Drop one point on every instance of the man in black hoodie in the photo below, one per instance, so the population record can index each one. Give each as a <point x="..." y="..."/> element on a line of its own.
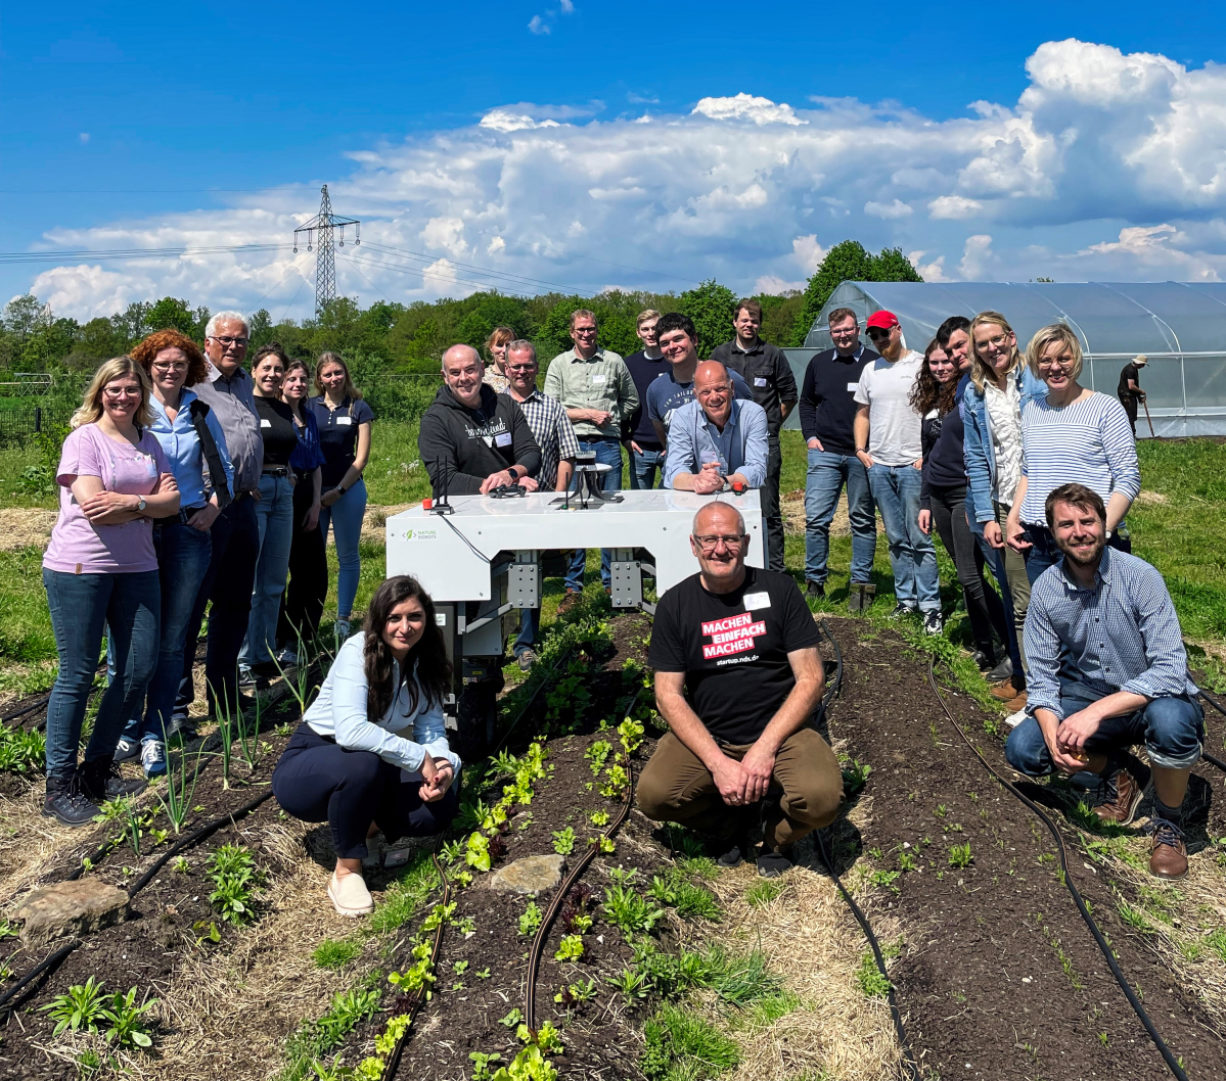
<point x="471" y="439"/>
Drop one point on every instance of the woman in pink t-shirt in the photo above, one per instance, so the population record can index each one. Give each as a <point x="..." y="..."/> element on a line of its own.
<point x="100" y="571"/>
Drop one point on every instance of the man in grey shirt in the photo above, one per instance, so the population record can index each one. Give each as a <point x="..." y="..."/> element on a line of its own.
<point x="236" y="541"/>
<point x="594" y="386"/>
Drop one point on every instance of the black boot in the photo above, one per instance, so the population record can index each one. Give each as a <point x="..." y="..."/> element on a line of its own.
<point x="65" y="802"/>
<point x="100" y="781"/>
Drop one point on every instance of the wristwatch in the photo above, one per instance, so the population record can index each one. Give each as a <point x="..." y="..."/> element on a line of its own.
<point x="141" y="505"/>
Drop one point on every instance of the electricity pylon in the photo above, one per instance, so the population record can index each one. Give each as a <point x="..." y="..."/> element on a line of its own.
<point x="319" y="232"/>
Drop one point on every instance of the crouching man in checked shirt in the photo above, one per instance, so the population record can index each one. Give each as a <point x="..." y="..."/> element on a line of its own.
<point x="737" y="678"/>
<point x="1108" y="670"/>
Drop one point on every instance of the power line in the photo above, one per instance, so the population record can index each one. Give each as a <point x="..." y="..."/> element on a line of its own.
<point x="107" y="254"/>
<point x="320" y="228"/>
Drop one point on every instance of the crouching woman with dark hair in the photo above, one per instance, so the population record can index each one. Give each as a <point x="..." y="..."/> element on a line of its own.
<point x="349" y="763"/>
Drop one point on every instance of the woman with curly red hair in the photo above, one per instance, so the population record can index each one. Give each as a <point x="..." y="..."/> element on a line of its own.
<point x="195" y="446"/>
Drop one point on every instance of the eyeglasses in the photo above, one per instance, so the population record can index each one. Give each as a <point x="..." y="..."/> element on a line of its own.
<point x="1055" y="362"/>
<point x="226" y="340"/>
<point x="520" y="367"/>
<point x="121" y="392"/>
<point x="585" y="331"/>
<point x="708" y="542"/>
<point x="995" y="344"/>
<point x="170" y="366"/>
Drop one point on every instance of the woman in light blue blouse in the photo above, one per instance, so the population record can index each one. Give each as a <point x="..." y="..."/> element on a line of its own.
<point x="193" y="442"/>
<point x="372" y="751"/>
<point x="1073" y="435"/>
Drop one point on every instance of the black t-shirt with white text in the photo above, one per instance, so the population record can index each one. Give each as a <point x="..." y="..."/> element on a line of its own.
<point x="733" y="649"/>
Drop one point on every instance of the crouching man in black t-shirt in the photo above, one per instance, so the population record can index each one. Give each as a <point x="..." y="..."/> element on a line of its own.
<point x="737" y="678"/>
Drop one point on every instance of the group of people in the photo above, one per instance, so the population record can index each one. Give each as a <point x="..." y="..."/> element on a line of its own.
<point x="188" y="483"/>
<point x="181" y="462"/>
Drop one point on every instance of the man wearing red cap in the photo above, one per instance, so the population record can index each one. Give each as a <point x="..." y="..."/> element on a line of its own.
<point x="887" y="432"/>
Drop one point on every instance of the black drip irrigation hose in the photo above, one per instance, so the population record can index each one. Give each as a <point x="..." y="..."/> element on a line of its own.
<point x="1167" y="1055"/>
<point x="184" y="843"/>
<point x="393" y="1060"/>
<point x="1205" y="754"/>
<point x="908" y="1057"/>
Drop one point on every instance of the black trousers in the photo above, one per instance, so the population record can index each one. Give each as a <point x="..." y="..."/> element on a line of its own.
<point x="772" y="518"/>
<point x="302" y="603"/>
<point x="318" y="781"/>
<point x="983" y="605"/>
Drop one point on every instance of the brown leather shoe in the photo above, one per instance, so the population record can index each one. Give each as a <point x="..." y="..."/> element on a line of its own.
<point x="1169" y="856"/>
<point x="1005" y="691"/>
<point x="573" y="597"/>
<point x="1017" y="703"/>
<point x="1117" y="798"/>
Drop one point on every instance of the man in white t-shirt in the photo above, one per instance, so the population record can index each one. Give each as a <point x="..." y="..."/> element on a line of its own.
<point x="887" y="434"/>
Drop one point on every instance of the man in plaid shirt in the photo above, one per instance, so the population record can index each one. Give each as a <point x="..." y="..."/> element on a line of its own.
<point x="559" y="445"/>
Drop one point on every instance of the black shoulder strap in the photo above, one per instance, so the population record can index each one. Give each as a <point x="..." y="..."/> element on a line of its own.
<point x="212" y="456"/>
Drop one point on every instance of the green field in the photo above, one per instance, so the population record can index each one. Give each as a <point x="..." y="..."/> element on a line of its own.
<point x="1175" y="525"/>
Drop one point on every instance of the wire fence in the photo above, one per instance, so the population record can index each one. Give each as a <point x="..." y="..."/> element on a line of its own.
<point x="27" y="405"/>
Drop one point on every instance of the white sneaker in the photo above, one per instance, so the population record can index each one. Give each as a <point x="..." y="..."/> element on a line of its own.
<point x="349" y="895"/>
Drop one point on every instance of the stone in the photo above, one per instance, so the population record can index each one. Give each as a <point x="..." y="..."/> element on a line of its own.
<point x="532" y="874"/>
<point x="70" y="908"/>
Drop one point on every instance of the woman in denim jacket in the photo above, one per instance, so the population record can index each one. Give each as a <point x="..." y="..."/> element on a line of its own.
<point x="1000" y="384"/>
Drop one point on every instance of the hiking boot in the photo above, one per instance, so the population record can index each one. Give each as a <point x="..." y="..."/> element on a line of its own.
<point x="526" y="659"/>
<point x="100" y="781"/>
<point x="933" y="624"/>
<point x="902" y="611"/>
<point x="572" y="598"/>
<point x="153" y="758"/>
<point x="1006" y="690"/>
<point x="1169" y="856"/>
<point x="815" y="590"/>
<point x="65" y="803"/>
<point x="1117" y="798"/>
<point x="1018" y="703"/>
<point x="733" y="851"/>
<point x="860" y="596"/>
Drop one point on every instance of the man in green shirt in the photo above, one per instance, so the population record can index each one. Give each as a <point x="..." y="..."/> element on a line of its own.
<point x="596" y="390"/>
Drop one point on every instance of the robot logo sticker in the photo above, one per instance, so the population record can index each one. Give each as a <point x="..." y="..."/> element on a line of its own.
<point x="734" y="634"/>
<point x="420" y="534"/>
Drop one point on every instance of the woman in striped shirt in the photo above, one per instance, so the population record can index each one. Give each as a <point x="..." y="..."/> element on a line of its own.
<point x="1072" y="435"/>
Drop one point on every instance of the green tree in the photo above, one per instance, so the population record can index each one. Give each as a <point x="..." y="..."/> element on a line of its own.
<point x="779" y="317"/>
<point x="259" y="330"/>
<point x="710" y="306"/>
<point x="848" y="261"/>
<point x="171" y="314"/>
<point x="892" y="266"/>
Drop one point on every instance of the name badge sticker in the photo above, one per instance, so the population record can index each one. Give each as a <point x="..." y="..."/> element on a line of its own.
<point x="852" y="387"/>
<point x="759" y="381"/>
<point x="344" y="420"/>
<point x="265" y="422"/>
<point x="598" y="379"/>
<point x="754" y="601"/>
<point x="502" y="439"/>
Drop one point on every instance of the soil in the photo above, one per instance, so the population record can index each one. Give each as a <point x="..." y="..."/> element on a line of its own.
<point x="998" y="977"/>
<point x="995" y="973"/>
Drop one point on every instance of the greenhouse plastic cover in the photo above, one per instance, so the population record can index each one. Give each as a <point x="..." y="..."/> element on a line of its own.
<point x="1179" y="326"/>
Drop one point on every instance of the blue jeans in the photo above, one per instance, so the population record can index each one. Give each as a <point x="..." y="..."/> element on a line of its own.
<point x="1172" y="730"/>
<point x="274" y="518"/>
<point x="643" y="469"/>
<point x="608" y="452"/>
<point x="828" y="473"/>
<point x="183" y="558"/>
<point x="896" y="489"/>
<point x="80" y="606"/>
<point x="346" y="517"/>
<point x="529" y="630"/>
<point x="227" y="583"/>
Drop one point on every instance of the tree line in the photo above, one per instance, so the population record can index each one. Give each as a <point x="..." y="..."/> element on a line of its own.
<point x="394" y="337"/>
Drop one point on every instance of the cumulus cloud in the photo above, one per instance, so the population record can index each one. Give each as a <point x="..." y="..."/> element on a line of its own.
<point x="1108" y="165"/>
<point x="543" y="24"/>
<point x="538" y="25"/>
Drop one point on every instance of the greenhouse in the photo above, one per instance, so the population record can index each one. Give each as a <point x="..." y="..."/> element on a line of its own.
<point x="1179" y="326"/>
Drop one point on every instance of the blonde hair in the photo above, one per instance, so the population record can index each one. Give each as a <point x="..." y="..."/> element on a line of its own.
<point x="980" y="369"/>
<point x="1054" y="332"/>
<point x="91" y="405"/>
<point x="349" y="390"/>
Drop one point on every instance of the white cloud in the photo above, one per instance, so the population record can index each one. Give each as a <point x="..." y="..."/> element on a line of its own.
<point x="747" y="107"/>
<point x="772" y="283"/>
<point x="932" y="271"/>
<point x="83" y="138"/>
<point x="976" y="255"/>
<point x="1108" y="165"/>
<point x="538" y="25"/>
<point x="894" y="209"/>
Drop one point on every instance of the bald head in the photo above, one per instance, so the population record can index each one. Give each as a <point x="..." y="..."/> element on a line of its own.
<point x="713" y="391"/>
<point x="462" y="372"/>
<point x="717" y="514"/>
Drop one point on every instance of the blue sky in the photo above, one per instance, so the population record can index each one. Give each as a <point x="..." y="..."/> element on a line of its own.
<point x="584" y="145"/>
